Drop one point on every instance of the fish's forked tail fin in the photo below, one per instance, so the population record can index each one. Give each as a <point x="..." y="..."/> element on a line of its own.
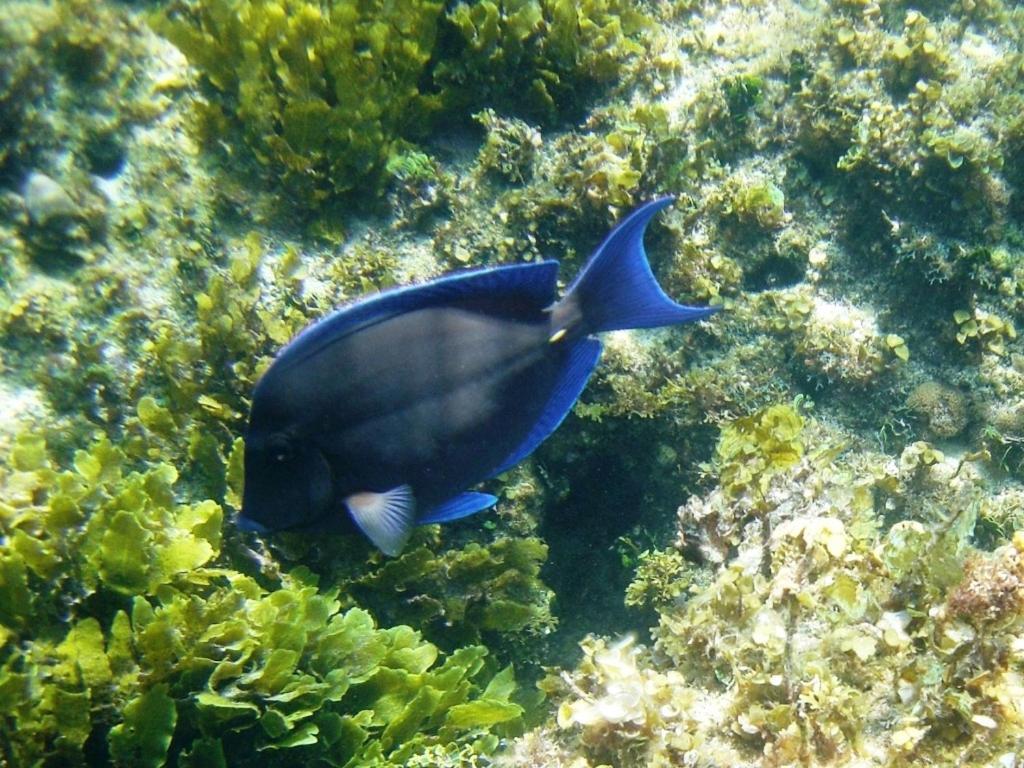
<point x="616" y="289"/>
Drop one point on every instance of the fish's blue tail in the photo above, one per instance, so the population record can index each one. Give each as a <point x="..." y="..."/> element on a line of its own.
<point x="616" y="289"/>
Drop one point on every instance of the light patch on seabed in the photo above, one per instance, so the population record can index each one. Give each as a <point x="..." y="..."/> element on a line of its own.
<point x="418" y="262"/>
<point x="736" y="39"/>
<point x="17" y="406"/>
<point x="982" y="51"/>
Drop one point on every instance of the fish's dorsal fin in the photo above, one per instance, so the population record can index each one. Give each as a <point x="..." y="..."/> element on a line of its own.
<point x="386" y="518"/>
<point x="463" y="505"/>
<point x="534" y="284"/>
<point x="582" y="359"/>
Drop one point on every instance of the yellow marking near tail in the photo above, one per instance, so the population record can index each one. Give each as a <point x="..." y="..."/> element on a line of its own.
<point x="557" y="336"/>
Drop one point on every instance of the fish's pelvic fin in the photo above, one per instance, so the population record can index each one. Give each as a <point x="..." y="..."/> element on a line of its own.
<point x="386" y="518"/>
<point x="581" y="363"/>
<point x="463" y="505"/>
<point x="616" y="288"/>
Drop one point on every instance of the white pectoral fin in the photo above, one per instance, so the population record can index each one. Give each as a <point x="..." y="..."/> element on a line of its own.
<point x="386" y="518"/>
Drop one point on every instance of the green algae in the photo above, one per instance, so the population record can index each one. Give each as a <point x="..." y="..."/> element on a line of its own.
<point x="540" y="59"/>
<point x="753" y="449"/>
<point x="329" y="96"/>
<point x="473" y="591"/>
<point x="322" y="93"/>
<point x="288" y="667"/>
<point x="811" y="660"/>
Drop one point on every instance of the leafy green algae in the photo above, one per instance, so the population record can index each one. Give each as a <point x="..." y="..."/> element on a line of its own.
<point x="178" y="648"/>
<point x="464" y="594"/>
<point x="752" y="449"/>
<point x="540" y="59"/>
<point x="324" y="91"/>
<point x="144" y="736"/>
<point x="330" y="95"/>
<point x="795" y="173"/>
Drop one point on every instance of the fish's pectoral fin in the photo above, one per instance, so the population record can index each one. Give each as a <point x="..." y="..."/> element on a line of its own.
<point x="463" y="505"/>
<point x="386" y="518"/>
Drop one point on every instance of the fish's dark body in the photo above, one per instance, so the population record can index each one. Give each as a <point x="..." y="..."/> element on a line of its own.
<point x="383" y="414"/>
<point x="433" y="398"/>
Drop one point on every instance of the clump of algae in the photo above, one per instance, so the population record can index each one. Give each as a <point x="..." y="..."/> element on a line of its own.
<point x="322" y="91"/>
<point x="823" y="634"/>
<point x="891" y="167"/>
<point x="330" y="95"/>
<point x="121" y="622"/>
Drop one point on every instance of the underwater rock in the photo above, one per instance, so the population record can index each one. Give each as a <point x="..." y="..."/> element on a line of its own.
<point x="841" y="344"/>
<point x="61" y="226"/>
<point x="47" y="201"/>
<point x="511" y="148"/>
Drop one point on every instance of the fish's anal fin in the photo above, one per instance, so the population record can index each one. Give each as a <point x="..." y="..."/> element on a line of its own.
<point x="458" y="507"/>
<point x="386" y="518"/>
<point x="582" y="360"/>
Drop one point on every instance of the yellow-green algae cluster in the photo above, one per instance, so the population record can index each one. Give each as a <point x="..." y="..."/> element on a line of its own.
<point x="824" y="635"/>
<point x="331" y="95"/>
<point x="115" y="598"/>
<point x="121" y="609"/>
<point x="133" y="631"/>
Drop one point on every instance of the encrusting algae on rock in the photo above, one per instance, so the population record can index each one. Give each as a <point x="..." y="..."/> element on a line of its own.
<point x="840" y="583"/>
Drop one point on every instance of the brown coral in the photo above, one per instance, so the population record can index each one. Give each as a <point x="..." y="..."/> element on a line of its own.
<point x="992" y="587"/>
<point x="940" y="407"/>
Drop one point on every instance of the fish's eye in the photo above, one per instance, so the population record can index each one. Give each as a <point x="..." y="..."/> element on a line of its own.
<point x="280" y="451"/>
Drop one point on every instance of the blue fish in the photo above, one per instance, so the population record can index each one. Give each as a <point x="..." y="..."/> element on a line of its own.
<point x="380" y="416"/>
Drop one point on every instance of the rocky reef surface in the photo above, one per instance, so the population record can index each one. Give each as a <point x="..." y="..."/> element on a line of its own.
<point x="792" y="535"/>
